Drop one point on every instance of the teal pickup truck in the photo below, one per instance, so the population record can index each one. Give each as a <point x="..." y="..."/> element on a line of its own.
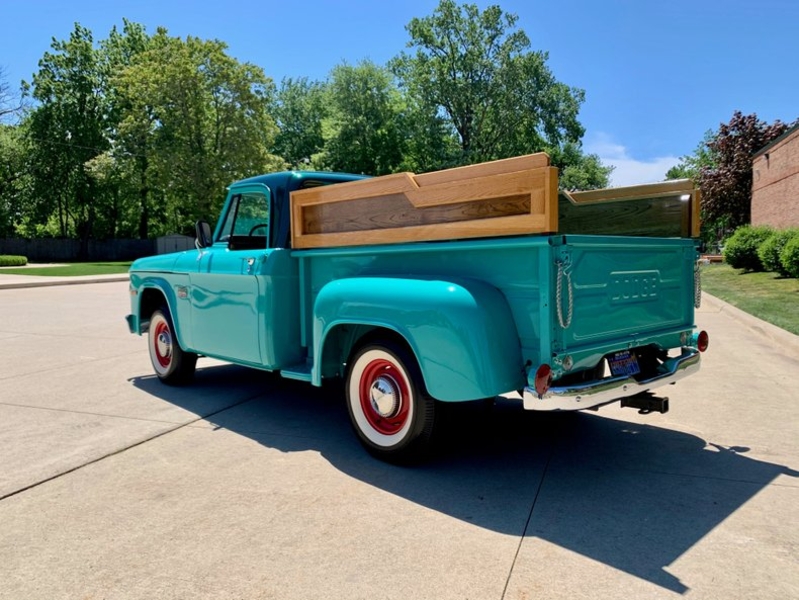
<point x="569" y="321"/>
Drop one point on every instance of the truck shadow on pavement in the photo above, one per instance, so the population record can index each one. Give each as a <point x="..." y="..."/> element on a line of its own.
<point x="634" y="497"/>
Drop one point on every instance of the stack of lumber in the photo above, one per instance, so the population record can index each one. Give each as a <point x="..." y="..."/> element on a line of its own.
<point x="514" y="196"/>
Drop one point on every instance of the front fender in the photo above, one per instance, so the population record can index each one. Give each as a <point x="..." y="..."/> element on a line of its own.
<point x="146" y="284"/>
<point x="461" y="332"/>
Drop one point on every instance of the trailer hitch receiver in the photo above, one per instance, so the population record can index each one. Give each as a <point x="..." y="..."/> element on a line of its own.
<point x="646" y="402"/>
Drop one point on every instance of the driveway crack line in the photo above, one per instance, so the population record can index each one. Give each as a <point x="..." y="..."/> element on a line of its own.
<point x="83" y="361"/>
<point x="96" y="414"/>
<point x="529" y="518"/>
<point x="125" y="449"/>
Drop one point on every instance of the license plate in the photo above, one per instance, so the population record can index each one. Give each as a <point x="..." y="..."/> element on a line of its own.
<point x="623" y="363"/>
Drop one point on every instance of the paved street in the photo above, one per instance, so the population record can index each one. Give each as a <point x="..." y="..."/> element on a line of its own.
<point x="245" y="485"/>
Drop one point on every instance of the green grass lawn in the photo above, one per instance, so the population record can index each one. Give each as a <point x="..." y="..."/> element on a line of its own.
<point x="71" y="270"/>
<point x="764" y="295"/>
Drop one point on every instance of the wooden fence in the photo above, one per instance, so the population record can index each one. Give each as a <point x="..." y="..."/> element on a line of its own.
<point x="67" y="250"/>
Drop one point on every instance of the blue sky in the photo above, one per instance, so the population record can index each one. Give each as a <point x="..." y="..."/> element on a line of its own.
<point x="657" y="74"/>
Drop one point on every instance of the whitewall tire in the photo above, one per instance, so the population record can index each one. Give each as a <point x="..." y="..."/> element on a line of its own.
<point x="388" y="405"/>
<point x="171" y="364"/>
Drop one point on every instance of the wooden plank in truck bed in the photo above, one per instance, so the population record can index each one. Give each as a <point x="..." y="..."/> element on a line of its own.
<point x="665" y="209"/>
<point x="506" y="197"/>
<point x="515" y="196"/>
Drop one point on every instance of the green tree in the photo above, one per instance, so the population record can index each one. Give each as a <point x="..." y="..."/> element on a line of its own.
<point x="431" y="143"/>
<point x="721" y="167"/>
<point x="579" y="171"/>
<point x="111" y="179"/>
<point x="727" y="184"/>
<point x="690" y="165"/>
<point x="124" y="172"/>
<point x="299" y="110"/>
<point x="498" y="96"/>
<point x="204" y="117"/>
<point x="14" y="179"/>
<point x="362" y="131"/>
<point x="66" y="130"/>
<point x="73" y="134"/>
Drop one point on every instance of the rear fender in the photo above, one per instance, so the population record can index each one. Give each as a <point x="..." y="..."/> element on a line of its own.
<point x="461" y="332"/>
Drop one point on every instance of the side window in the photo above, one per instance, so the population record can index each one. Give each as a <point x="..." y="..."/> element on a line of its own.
<point x="248" y="216"/>
<point x="224" y="233"/>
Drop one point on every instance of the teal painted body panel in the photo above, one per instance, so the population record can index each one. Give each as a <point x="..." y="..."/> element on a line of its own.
<point x="166" y="286"/>
<point x="524" y="272"/>
<point x="225" y="305"/>
<point x="280" y="324"/>
<point x="226" y="312"/>
<point x="636" y="290"/>
<point x="449" y="325"/>
<point x="623" y="287"/>
<point x="509" y="265"/>
<point x="479" y="315"/>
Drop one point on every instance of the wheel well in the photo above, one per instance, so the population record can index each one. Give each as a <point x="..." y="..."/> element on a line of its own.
<point x="343" y="341"/>
<point x="379" y="334"/>
<point x="151" y="300"/>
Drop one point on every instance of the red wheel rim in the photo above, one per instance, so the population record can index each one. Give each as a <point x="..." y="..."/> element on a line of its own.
<point x="162" y="344"/>
<point x="379" y="376"/>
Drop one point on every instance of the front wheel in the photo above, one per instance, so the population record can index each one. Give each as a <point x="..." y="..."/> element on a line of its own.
<point x="172" y="365"/>
<point x="388" y="405"/>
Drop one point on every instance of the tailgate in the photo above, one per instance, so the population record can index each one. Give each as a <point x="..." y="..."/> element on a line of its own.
<point x="615" y="289"/>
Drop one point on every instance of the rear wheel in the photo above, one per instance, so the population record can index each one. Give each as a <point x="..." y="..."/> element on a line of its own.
<point x="388" y="405"/>
<point x="172" y="365"/>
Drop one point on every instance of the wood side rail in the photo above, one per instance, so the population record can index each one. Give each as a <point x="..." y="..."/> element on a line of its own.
<point x="515" y="196"/>
<point x="506" y="197"/>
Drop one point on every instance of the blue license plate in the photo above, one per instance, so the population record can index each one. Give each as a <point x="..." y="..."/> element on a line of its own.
<point x="623" y="363"/>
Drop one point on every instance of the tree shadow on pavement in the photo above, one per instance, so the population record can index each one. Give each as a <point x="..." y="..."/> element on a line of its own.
<point x="634" y="497"/>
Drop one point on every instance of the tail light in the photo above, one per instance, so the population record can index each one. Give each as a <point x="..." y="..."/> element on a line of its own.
<point x="701" y="341"/>
<point x="543" y="379"/>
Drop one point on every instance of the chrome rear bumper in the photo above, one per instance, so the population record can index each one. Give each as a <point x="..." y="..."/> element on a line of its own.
<point x="607" y="390"/>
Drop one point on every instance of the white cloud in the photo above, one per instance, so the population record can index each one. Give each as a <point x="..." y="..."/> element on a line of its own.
<point x="628" y="170"/>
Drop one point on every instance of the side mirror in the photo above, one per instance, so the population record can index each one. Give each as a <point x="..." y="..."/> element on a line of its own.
<point x="203" y="239"/>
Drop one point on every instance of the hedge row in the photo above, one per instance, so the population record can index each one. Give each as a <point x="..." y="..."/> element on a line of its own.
<point x="9" y="260"/>
<point x="763" y="248"/>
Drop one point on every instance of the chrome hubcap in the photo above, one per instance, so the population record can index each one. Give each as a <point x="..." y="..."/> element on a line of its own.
<point x="385" y="397"/>
<point x="164" y="344"/>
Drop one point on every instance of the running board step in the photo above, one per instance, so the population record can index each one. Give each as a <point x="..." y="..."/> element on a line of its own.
<point x="300" y="372"/>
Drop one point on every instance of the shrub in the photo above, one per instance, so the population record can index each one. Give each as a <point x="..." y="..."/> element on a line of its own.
<point x="789" y="257"/>
<point x="9" y="260"/>
<point x="740" y="250"/>
<point x="769" y="251"/>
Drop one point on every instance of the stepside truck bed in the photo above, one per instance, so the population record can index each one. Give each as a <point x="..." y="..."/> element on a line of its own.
<point x="570" y="301"/>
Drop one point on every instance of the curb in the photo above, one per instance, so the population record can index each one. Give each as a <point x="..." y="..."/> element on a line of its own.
<point x="775" y="334"/>
<point x="42" y="281"/>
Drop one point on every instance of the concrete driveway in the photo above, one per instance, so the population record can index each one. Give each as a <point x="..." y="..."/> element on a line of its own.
<point x="246" y="485"/>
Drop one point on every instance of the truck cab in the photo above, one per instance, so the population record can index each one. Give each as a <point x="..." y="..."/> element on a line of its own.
<point x="234" y="297"/>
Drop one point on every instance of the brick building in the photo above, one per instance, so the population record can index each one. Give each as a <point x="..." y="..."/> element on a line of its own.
<point x="775" y="182"/>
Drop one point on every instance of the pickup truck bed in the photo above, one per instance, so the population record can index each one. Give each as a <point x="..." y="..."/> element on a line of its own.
<point x="565" y="300"/>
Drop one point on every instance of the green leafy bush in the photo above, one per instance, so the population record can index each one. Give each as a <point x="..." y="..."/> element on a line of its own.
<point x="769" y="251"/>
<point x="9" y="260"/>
<point x="789" y="257"/>
<point x="740" y="250"/>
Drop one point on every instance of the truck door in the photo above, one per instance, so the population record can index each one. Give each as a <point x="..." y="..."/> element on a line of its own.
<point x="227" y="304"/>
